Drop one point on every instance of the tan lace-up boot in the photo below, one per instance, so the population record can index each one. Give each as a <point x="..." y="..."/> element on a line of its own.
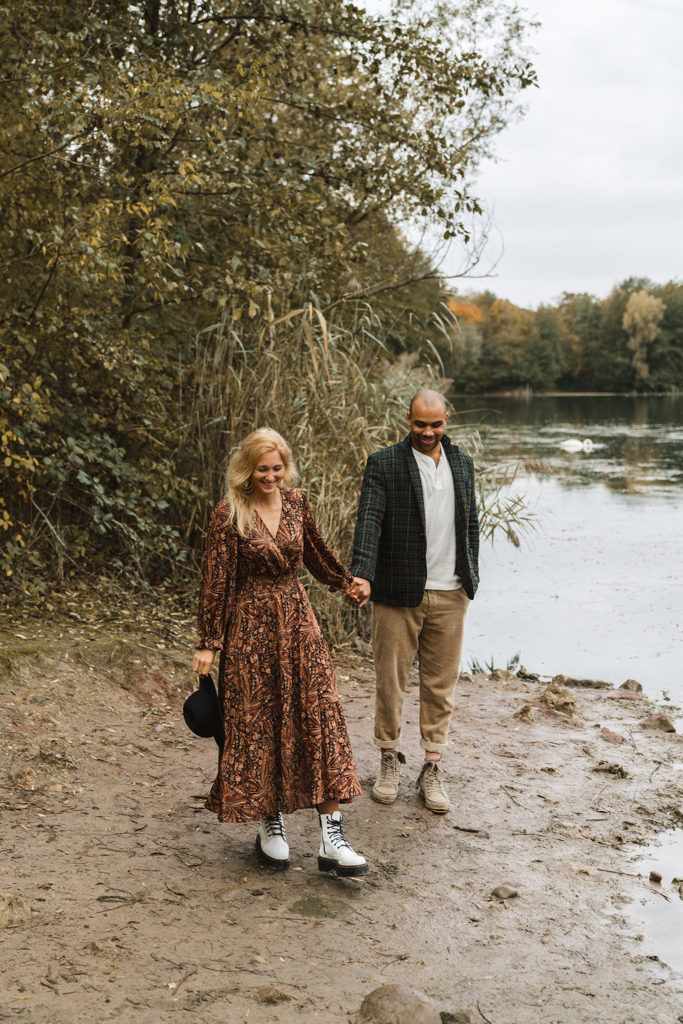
<point x="385" y="789"/>
<point x="430" y="784"/>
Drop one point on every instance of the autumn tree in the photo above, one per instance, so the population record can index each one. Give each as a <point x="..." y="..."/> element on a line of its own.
<point x="641" y="322"/>
<point x="166" y="166"/>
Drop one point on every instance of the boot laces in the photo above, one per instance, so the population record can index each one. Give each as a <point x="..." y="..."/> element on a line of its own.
<point x="432" y="782"/>
<point x="390" y="769"/>
<point x="335" y="835"/>
<point x="274" y="825"/>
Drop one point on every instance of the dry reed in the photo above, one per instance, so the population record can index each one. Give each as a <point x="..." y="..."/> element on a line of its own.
<point x="332" y="391"/>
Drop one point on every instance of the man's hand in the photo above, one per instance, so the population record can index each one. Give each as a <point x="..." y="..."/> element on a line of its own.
<point x="360" y="590"/>
<point x="202" y="662"/>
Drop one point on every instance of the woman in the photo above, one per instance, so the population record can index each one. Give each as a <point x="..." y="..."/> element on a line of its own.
<point x="286" y="744"/>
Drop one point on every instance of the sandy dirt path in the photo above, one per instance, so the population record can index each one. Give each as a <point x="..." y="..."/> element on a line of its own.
<point x="146" y="909"/>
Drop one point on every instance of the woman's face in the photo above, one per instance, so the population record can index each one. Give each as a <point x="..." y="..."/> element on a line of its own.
<point x="267" y="474"/>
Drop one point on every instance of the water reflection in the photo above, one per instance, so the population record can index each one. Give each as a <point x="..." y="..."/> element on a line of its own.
<point x="597" y="591"/>
<point x="638" y="441"/>
<point x="662" y="921"/>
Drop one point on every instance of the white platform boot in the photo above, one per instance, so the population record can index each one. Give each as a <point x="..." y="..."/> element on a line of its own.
<point x="271" y="842"/>
<point x="335" y="853"/>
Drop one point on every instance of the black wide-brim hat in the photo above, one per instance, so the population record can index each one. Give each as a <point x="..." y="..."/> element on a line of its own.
<point x="202" y="711"/>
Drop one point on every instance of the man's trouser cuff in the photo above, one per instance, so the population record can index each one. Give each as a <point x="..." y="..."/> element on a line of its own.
<point x="436" y="747"/>
<point x="387" y="744"/>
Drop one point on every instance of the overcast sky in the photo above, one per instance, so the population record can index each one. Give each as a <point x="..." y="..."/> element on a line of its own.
<point x="589" y="187"/>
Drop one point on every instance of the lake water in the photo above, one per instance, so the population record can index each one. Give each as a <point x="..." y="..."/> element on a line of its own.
<point x="596" y="591"/>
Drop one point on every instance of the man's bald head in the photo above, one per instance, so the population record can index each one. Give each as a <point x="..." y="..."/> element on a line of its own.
<point x="428" y="399"/>
<point x="427" y="418"/>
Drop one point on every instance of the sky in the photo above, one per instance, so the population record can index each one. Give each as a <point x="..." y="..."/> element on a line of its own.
<point x="588" y="187"/>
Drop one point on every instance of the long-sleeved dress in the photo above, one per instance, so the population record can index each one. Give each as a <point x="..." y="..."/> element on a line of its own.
<point x="286" y="743"/>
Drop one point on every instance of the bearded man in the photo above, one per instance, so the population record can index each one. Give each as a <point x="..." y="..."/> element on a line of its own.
<point x="416" y="549"/>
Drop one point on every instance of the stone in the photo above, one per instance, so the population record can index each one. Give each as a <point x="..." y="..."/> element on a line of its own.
<point x="633" y="685"/>
<point x="660" y="722"/>
<point x="272" y="995"/>
<point x="504" y="892"/>
<point x="26" y="778"/>
<point x="399" y="1004"/>
<point x="525" y="713"/>
<point x="558" y="699"/>
<point x="612" y="769"/>
<point x="455" y="1018"/>
<point x="625" y="695"/>
<point x="531" y="677"/>
<point x="611" y="737"/>
<point x="55" y="758"/>
<point x="586" y="684"/>
<point x="15" y="912"/>
<point x="503" y="675"/>
<point x="655" y="876"/>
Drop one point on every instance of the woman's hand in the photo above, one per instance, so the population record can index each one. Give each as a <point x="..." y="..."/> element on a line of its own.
<point x="357" y="592"/>
<point x="360" y="591"/>
<point x="349" y="594"/>
<point x="202" y="662"/>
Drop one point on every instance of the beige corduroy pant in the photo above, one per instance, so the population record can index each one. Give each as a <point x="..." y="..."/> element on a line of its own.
<point x="434" y="631"/>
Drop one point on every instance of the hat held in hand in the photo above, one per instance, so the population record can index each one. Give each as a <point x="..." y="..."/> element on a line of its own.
<point x="202" y="711"/>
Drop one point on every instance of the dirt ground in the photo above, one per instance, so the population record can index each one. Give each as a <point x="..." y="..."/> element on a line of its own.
<point x="146" y="908"/>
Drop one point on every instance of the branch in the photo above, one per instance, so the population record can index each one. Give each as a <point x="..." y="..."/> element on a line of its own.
<point x="45" y="156"/>
<point x="45" y="287"/>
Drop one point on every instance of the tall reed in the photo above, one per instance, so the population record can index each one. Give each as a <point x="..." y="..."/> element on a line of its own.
<point x="332" y="391"/>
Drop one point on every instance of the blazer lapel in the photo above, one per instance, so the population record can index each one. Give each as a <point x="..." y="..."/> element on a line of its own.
<point x="460" y="510"/>
<point x="415" y="480"/>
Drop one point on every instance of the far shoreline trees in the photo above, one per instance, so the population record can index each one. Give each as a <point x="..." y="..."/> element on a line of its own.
<point x="632" y="340"/>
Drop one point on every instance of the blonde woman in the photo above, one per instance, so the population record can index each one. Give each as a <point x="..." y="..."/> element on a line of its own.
<point x="286" y="744"/>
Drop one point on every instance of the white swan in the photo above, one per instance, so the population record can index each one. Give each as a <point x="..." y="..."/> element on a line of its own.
<point x="573" y="445"/>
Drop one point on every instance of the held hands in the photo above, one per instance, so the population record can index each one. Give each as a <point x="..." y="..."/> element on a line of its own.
<point x="202" y="662"/>
<point x="359" y="592"/>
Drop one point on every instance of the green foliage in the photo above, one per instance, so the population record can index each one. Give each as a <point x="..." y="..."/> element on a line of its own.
<point x="631" y="340"/>
<point x="166" y="167"/>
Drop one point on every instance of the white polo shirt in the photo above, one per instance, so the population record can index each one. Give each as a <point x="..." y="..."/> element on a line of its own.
<point x="439" y="502"/>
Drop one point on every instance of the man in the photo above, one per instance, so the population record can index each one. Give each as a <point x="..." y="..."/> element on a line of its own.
<point x="415" y="555"/>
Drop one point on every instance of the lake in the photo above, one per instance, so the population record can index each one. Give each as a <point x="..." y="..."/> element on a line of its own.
<point x="596" y="590"/>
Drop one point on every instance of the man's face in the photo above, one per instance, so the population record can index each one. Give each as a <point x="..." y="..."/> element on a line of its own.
<point x="427" y="424"/>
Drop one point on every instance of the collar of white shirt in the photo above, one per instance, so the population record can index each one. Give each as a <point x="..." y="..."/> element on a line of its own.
<point x="429" y="465"/>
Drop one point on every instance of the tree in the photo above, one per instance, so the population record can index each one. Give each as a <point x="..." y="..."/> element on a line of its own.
<point x="641" y="322"/>
<point x="540" y="363"/>
<point x="166" y="165"/>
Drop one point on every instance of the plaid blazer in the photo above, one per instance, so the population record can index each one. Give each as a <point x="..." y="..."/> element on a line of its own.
<point x="390" y="541"/>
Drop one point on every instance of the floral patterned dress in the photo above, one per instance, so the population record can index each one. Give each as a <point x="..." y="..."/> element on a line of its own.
<point x="286" y="743"/>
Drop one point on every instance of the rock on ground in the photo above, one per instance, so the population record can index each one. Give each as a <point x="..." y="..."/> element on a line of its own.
<point x="525" y="713"/>
<point x="633" y="685"/>
<point x="15" y="912"/>
<point x="586" y="684"/>
<point x="660" y="721"/>
<point x="559" y="699"/>
<point x="504" y="892"/>
<point x="399" y="1004"/>
<point x="611" y="737"/>
<point x="504" y="675"/>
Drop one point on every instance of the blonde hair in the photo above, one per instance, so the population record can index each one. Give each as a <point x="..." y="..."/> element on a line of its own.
<point x="243" y="462"/>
